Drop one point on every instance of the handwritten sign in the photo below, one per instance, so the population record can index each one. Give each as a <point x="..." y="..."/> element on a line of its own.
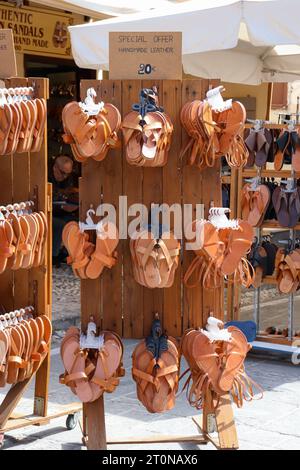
<point x="145" y="55"/>
<point x="8" y="66"/>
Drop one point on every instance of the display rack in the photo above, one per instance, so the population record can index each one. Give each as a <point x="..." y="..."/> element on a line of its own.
<point x="25" y="177"/>
<point x="234" y="307"/>
<point x="115" y="300"/>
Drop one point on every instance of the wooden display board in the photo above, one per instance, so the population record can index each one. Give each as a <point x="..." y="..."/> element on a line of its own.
<point x="116" y="300"/>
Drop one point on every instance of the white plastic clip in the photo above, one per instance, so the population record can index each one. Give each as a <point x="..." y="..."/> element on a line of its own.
<point x="215" y="330"/>
<point x="215" y="99"/>
<point x="89" y="106"/>
<point x="217" y="216"/>
<point x="90" y="340"/>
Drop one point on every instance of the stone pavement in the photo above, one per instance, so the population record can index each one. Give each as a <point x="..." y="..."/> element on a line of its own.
<point x="270" y="423"/>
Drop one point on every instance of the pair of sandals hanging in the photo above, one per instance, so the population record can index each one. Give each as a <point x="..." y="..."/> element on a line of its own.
<point x="147" y="132"/>
<point x="154" y="260"/>
<point x="24" y="344"/>
<point x="213" y="365"/>
<point x="91" y="128"/>
<point x="216" y="129"/>
<point x="23" y="237"/>
<point x="22" y="121"/>
<point x="91" y="370"/>
<point x="88" y="258"/>
<point x="221" y="251"/>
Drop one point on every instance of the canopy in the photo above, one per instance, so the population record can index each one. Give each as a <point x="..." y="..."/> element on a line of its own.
<point x="101" y="8"/>
<point x="245" y="41"/>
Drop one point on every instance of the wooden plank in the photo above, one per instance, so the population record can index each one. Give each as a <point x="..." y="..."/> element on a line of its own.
<point x="90" y="193"/>
<point x="6" y="197"/>
<point x="231" y="288"/>
<point x="172" y="188"/>
<point x="111" y="189"/>
<point x="39" y="277"/>
<point x="197" y="439"/>
<point x="34" y="420"/>
<point x="13" y="397"/>
<point x="21" y="192"/>
<point x="11" y="400"/>
<point x="276" y="339"/>
<point x="225" y="424"/>
<point x="153" y="299"/>
<point x="96" y="425"/>
<point x="133" y="189"/>
<point x="192" y="179"/>
<point x="211" y="194"/>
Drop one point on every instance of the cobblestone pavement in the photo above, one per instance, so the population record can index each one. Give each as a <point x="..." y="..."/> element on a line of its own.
<point x="270" y="423"/>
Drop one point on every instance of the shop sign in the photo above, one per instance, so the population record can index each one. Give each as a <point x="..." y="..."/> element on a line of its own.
<point x="8" y="66"/>
<point x="145" y="55"/>
<point x="38" y="31"/>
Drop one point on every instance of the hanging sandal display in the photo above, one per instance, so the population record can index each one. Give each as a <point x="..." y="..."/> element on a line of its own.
<point x="88" y="259"/>
<point x="24" y="344"/>
<point x="154" y="260"/>
<point x="147" y="132"/>
<point x="222" y="250"/>
<point x="216" y="129"/>
<point x="91" y="128"/>
<point x="92" y="361"/>
<point x="216" y="362"/>
<point x="22" y="120"/>
<point x="155" y="369"/>
<point x="23" y="235"/>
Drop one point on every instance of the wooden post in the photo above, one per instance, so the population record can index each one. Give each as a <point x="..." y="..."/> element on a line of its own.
<point x="218" y="417"/>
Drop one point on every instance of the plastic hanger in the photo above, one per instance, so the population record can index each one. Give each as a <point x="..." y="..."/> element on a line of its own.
<point x="216" y="101"/>
<point x="89" y="106"/>
<point x="290" y="185"/>
<point x="217" y="216"/>
<point x="90" y="340"/>
<point x="215" y="330"/>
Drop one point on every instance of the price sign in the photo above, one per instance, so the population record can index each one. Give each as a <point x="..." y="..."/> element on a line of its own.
<point x="145" y="55"/>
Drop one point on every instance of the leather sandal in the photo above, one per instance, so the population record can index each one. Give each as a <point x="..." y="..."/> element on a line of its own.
<point x="155" y="369"/>
<point x="104" y="254"/>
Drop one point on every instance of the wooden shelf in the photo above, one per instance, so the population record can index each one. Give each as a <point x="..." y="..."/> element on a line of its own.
<point x="265" y="173"/>
<point x="271" y="126"/>
<point x="275" y="224"/>
<point x="278" y="339"/>
<point x="270" y="280"/>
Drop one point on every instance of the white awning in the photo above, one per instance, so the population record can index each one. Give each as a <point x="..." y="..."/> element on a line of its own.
<point x="236" y="41"/>
<point x="101" y="8"/>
